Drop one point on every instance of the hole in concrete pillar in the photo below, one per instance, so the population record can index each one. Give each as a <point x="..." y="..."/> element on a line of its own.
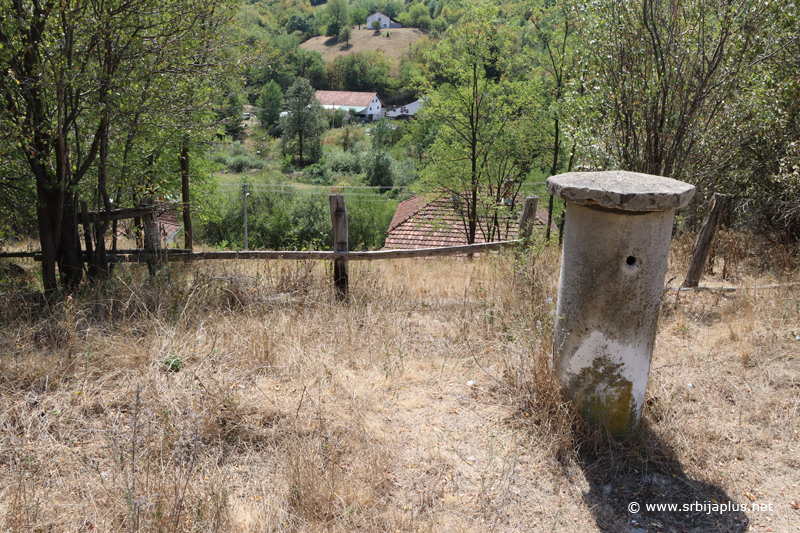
<point x="632" y="261"/>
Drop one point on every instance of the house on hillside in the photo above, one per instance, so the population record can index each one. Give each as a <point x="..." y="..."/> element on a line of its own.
<point x="386" y="22"/>
<point x="406" y="112"/>
<point x="368" y="106"/>
<point x="419" y="223"/>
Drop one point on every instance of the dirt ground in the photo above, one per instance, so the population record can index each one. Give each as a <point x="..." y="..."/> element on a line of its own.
<point x="243" y="397"/>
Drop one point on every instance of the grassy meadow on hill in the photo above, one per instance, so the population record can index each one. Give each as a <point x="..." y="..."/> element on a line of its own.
<point x="224" y="396"/>
<point x="394" y="43"/>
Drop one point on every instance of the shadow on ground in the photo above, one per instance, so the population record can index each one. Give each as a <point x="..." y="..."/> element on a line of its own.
<point x="637" y="472"/>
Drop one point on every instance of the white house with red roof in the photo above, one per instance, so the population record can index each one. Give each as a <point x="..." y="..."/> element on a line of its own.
<point x="366" y="105"/>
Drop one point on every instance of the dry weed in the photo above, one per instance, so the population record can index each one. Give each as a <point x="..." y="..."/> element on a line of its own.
<point x="228" y="396"/>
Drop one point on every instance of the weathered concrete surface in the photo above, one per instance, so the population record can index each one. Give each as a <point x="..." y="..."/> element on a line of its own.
<point x="629" y="191"/>
<point x="612" y="277"/>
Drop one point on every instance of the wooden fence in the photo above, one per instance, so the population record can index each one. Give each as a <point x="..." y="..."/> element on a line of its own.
<point x="153" y="255"/>
<point x="340" y="255"/>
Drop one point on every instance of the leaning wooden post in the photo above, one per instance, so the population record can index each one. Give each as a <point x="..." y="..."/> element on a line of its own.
<point x="527" y="218"/>
<point x="340" y="244"/>
<point x="87" y="237"/>
<point x="704" y="240"/>
<point x="152" y="240"/>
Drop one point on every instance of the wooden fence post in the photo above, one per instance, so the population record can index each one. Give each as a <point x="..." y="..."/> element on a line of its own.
<point x="528" y="217"/>
<point x="340" y="244"/>
<point x="152" y="239"/>
<point x="704" y="240"/>
<point x="87" y="237"/>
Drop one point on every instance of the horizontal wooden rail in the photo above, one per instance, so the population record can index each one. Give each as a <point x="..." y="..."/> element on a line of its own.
<point x="137" y="256"/>
<point x="9" y="255"/>
<point x="121" y="214"/>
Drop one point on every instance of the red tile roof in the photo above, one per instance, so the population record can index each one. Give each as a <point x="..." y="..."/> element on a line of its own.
<point x="345" y="98"/>
<point x="419" y="225"/>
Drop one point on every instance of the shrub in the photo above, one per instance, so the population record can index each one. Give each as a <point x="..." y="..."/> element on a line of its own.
<point x="294" y="220"/>
<point x="240" y="163"/>
<point x="379" y="168"/>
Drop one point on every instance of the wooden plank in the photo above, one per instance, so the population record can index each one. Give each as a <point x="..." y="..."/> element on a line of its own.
<point x="704" y="239"/>
<point x="528" y="217"/>
<point x="340" y="244"/>
<point x="120" y="214"/>
<point x="20" y="255"/>
<point x="135" y="256"/>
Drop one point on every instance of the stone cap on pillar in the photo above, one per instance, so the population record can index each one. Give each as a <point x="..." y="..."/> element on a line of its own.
<point x="628" y="191"/>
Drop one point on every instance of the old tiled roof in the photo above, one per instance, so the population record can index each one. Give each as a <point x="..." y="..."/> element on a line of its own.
<point x="419" y="225"/>
<point x="345" y="98"/>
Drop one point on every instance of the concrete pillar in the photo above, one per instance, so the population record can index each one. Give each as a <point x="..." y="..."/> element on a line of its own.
<point x="616" y="243"/>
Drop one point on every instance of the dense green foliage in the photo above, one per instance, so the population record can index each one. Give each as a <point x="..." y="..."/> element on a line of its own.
<point x="281" y="217"/>
<point x="700" y="91"/>
<point x="487" y="140"/>
<point x="97" y="99"/>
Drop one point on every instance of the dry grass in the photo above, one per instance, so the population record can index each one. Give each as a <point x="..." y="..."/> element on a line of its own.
<point x="393" y="47"/>
<point x="242" y="397"/>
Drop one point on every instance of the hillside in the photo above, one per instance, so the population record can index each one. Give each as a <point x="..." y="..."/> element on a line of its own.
<point x="241" y="396"/>
<point x="393" y="46"/>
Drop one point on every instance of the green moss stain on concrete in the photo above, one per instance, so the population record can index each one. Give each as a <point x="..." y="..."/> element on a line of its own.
<point x="604" y="397"/>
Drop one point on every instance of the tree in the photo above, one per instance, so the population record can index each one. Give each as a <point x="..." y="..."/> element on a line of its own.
<point x="358" y="17"/>
<point x="379" y="161"/>
<point x="344" y="34"/>
<point x="269" y="104"/>
<point x="662" y="71"/>
<point x="554" y="57"/>
<point x="70" y="70"/>
<point x="338" y="13"/>
<point x="304" y="122"/>
<point x="299" y="23"/>
<point x="483" y="149"/>
<point x="367" y="70"/>
<point x="417" y="16"/>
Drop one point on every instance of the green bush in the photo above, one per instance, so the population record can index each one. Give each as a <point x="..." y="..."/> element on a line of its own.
<point x="342" y="162"/>
<point x="379" y="168"/>
<point x="281" y="217"/>
<point x="240" y="163"/>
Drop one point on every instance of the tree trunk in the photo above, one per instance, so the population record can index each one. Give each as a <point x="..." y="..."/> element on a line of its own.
<point x="70" y="260"/>
<point x="549" y="217"/>
<point x="300" y="139"/>
<point x="59" y="241"/>
<point x="187" y="215"/>
<point x="47" y="240"/>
